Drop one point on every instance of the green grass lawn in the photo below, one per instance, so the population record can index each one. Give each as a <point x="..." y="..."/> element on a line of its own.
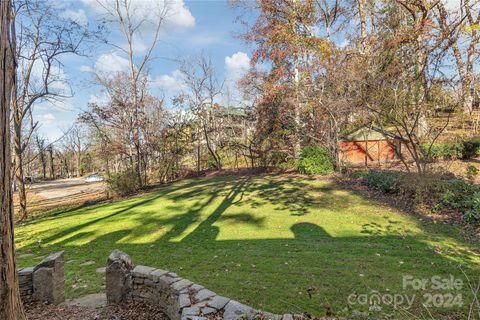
<point x="279" y="243"/>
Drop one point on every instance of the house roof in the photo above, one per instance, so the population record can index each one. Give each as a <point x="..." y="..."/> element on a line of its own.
<point x="231" y="111"/>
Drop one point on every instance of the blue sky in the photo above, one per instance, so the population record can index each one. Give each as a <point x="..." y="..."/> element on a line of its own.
<point x="193" y="27"/>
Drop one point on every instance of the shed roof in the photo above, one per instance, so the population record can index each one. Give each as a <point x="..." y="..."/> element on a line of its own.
<point x="370" y="132"/>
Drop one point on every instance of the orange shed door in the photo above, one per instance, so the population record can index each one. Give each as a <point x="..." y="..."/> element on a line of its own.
<point x="373" y="151"/>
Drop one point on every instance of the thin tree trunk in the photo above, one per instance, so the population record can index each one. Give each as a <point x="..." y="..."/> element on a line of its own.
<point x="10" y="303"/>
<point x="198" y="153"/>
<point x="52" y="167"/>
<point x="218" y="164"/>
<point x="44" y="168"/>
<point x="363" y="24"/>
<point x="18" y="150"/>
<point x="296" y="80"/>
<point x="22" y="193"/>
<point x="79" y="163"/>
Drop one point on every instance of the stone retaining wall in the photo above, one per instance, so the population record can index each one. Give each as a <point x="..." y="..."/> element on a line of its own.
<point x="45" y="281"/>
<point x="180" y="298"/>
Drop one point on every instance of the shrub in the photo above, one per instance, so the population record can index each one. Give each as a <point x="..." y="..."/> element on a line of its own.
<point x="442" y="151"/>
<point x="386" y="181"/>
<point x="315" y="160"/>
<point x="433" y="191"/>
<point x="358" y="174"/>
<point x="472" y="173"/>
<point x="423" y="189"/>
<point x="471" y="148"/>
<point x="459" y="194"/>
<point x="124" y="183"/>
<point x="472" y="215"/>
<point x="287" y="165"/>
<point x="346" y="168"/>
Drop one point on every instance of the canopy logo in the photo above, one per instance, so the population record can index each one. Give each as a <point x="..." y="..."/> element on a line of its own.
<point x="437" y="291"/>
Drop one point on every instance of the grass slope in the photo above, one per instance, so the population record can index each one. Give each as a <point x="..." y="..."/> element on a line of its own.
<point x="279" y="243"/>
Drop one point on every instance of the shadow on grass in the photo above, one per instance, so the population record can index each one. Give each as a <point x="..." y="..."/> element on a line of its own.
<point x="312" y="271"/>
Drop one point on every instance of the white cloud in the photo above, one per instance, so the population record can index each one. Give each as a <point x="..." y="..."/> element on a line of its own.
<point x="452" y="5"/>
<point x="58" y="105"/>
<point x="456" y="7"/>
<point x="180" y="15"/>
<point x="175" y="12"/>
<point x="57" y="78"/>
<point x="58" y="85"/>
<point x="236" y="65"/>
<point x="47" y="119"/>
<point x="139" y="45"/>
<point x="100" y="99"/>
<point x="111" y="62"/>
<point x="86" y="69"/>
<point x="170" y="83"/>
<point x="77" y="16"/>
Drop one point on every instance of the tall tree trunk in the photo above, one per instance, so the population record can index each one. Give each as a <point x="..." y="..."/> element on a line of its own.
<point x="44" y="168"/>
<point x="296" y="79"/>
<point x="19" y="174"/>
<point x="79" y="162"/>
<point x="297" y="145"/>
<point x="465" y="68"/>
<point x="52" y="167"/>
<point x="198" y="152"/>
<point x="22" y="193"/>
<point x="218" y="163"/>
<point x="362" y="8"/>
<point x="10" y="304"/>
<point x="18" y="149"/>
<point x="467" y="107"/>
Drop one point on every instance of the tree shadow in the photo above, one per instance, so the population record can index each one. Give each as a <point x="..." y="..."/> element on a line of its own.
<point x="310" y="271"/>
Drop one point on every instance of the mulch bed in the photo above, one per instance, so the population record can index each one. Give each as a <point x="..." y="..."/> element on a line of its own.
<point x="130" y="311"/>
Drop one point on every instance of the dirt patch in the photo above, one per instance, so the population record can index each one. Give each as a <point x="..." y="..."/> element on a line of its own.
<point x="63" y="193"/>
<point x="130" y="311"/>
<point x="95" y="300"/>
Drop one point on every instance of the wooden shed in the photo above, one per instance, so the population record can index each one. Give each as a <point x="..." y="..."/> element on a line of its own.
<point x="369" y="144"/>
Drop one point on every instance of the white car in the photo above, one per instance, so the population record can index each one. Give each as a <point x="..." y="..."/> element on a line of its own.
<point x="94" y="178"/>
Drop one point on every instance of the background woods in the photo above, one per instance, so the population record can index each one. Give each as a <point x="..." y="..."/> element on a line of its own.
<point x="321" y="74"/>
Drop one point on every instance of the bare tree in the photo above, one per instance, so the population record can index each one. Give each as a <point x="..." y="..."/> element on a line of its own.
<point x="403" y="72"/>
<point x="130" y="22"/>
<point x="459" y="30"/>
<point x="43" y="38"/>
<point x="329" y="13"/>
<point x="116" y="121"/>
<point x="203" y="88"/>
<point x="75" y="140"/>
<point x="51" y="161"/>
<point x="114" y="125"/>
<point x="10" y="304"/>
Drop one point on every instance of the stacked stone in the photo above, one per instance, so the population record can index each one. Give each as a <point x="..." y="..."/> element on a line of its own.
<point x="181" y="298"/>
<point x="25" y="279"/>
<point x="44" y="282"/>
<point x="49" y="279"/>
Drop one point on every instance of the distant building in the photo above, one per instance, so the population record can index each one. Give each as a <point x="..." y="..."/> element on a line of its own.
<point x="236" y="122"/>
<point x="370" y="144"/>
